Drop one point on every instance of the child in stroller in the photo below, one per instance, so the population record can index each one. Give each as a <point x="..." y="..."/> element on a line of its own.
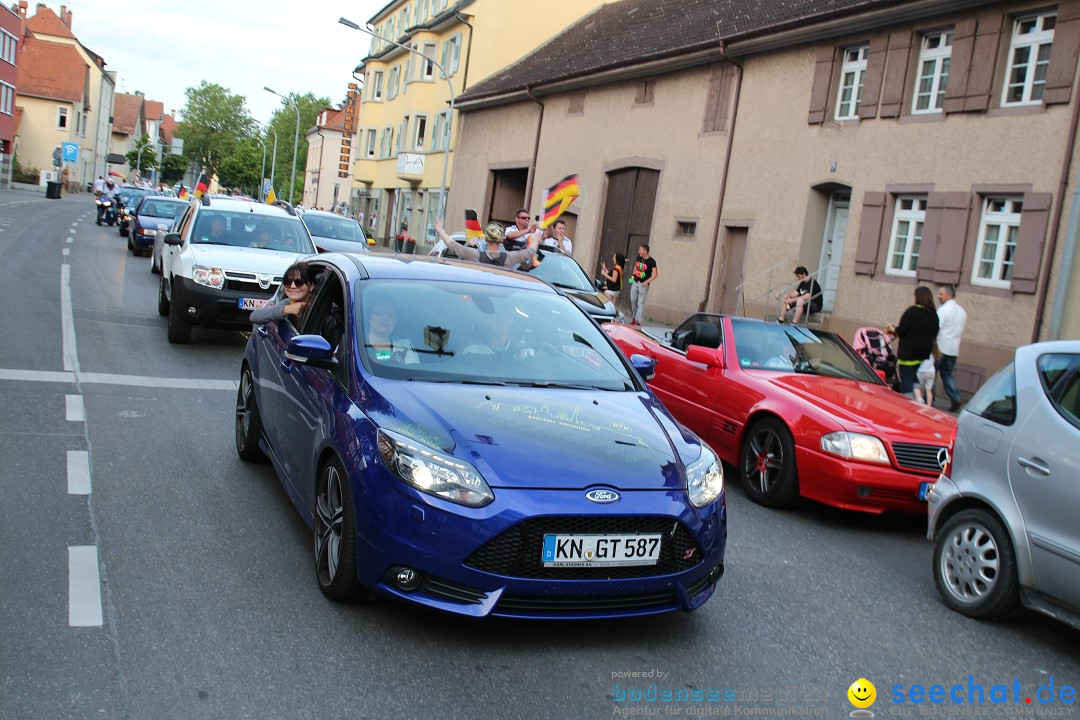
<point x="873" y="345"/>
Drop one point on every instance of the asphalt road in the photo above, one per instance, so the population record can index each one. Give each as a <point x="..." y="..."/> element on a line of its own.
<point x="146" y="572"/>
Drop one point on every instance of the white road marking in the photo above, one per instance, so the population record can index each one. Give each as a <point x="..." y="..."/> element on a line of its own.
<point x="67" y="251"/>
<point x="70" y="239"/>
<point x="84" y="587"/>
<point x="76" y="411"/>
<point x="71" y="355"/>
<point x="57" y="376"/>
<point x="78" y="472"/>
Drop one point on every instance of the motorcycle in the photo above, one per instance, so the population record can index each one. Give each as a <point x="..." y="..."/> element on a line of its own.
<point x="107" y="209"/>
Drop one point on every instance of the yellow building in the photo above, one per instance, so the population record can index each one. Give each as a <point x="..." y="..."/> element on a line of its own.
<point x="405" y="132"/>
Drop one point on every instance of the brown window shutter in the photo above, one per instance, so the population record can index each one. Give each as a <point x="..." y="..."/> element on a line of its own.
<point x="1031" y="239"/>
<point x="896" y="67"/>
<point x="875" y="69"/>
<point x="983" y="63"/>
<point x="819" y="96"/>
<point x="951" y="233"/>
<point x="727" y="85"/>
<point x="1063" y="55"/>
<point x="712" y="102"/>
<point x="873" y="212"/>
<point x="959" y="65"/>
<point x="935" y="210"/>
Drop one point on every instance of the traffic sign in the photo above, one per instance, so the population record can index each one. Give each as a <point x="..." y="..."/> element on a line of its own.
<point x="71" y="152"/>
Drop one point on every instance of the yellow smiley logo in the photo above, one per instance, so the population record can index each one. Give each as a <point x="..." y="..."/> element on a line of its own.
<point x="862" y="693"/>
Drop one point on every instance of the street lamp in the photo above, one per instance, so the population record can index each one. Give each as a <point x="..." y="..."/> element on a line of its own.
<point x="446" y="150"/>
<point x="296" y="140"/>
<point x="273" y="163"/>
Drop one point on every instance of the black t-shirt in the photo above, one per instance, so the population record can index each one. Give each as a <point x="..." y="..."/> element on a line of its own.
<point x="643" y="269"/>
<point x="616" y="284"/>
<point x="810" y="287"/>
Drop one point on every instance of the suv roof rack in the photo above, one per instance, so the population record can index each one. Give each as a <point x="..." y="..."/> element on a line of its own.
<point x="283" y="204"/>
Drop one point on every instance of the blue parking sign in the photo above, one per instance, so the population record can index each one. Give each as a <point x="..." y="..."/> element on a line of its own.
<point x="70" y="152"/>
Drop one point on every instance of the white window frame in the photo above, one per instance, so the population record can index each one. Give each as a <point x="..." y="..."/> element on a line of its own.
<point x="7" y="98"/>
<point x="392" y="82"/>
<point x="370" y="148"/>
<point x="402" y="129"/>
<point x="376" y="86"/>
<point x="909" y="219"/>
<point x="420" y="133"/>
<point x="387" y="141"/>
<point x="440" y="137"/>
<point x="62" y="118"/>
<point x="935" y="56"/>
<point x="428" y="71"/>
<point x="11" y="44"/>
<point x="852" y="76"/>
<point x="1000" y="214"/>
<point x="1033" y="35"/>
<point x="451" y="54"/>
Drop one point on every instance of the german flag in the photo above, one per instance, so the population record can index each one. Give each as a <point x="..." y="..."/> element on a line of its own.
<point x="472" y="225"/>
<point x="559" y="197"/>
<point x="203" y="186"/>
<point x="183" y="194"/>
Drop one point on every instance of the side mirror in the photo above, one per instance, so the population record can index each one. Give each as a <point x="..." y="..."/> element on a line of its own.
<point x="645" y="365"/>
<point x="311" y="350"/>
<point x="881" y="374"/>
<point x="713" y="357"/>
<point x="173" y="239"/>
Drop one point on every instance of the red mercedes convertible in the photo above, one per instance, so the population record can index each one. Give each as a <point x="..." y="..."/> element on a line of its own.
<point x="797" y="411"/>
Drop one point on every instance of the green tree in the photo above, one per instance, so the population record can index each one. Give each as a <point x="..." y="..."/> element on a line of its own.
<point x="284" y="122"/>
<point x="241" y="168"/>
<point x="214" y="122"/>
<point x="173" y="168"/>
<point x="147" y="160"/>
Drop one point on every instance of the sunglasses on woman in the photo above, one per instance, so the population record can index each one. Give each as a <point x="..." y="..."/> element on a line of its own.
<point x="294" y="281"/>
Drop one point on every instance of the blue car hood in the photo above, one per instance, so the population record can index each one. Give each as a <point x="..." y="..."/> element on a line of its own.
<point x="542" y="437"/>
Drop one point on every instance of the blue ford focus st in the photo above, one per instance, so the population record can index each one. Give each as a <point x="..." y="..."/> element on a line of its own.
<point x="465" y="438"/>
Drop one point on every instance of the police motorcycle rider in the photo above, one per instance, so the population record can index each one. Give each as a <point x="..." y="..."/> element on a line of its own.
<point x="110" y="192"/>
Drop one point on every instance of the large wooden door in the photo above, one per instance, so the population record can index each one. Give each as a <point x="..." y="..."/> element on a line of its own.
<point x="507" y="195"/>
<point x="628" y="211"/>
<point x="734" y="257"/>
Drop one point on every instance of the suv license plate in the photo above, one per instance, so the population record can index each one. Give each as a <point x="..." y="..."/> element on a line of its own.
<point x="251" y="303"/>
<point x="924" y="487"/>
<point x="600" y="550"/>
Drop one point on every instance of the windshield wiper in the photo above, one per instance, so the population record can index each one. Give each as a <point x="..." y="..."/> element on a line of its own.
<point x="458" y="382"/>
<point x="567" y="287"/>
<point x="212" y="242"/>
<point x="567" y="386"/>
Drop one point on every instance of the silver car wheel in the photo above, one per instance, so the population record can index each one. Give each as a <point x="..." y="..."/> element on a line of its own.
<point x="970" y="564"/>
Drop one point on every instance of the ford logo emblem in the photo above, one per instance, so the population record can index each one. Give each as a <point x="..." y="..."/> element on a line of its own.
<point x="943" y="457"/>
<point x="601" y="496"/>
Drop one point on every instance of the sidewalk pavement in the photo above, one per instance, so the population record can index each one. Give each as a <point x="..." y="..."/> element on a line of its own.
<point x="9" y="198"/>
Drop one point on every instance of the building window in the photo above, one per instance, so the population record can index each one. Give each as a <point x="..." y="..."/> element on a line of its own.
<point x="1029" y="59"/>
<point x="62" y="118"/>
<point x="420" y="132"/>
<point x="996" y="248"/>
<point x="387" y="141"/>
<point x="934" y="60"/>
<point x="376" y="85"/>
<point x="401" y="133"/>
<point x="7" y="97"/>
<point x="10" y="44"/>
<point x="429" y="61"/>
<point x="422" y="10"/>
<point x="392" y="82"/>
<point x="451" y="54"/>
<point x="370" y="152"/>
<point x="852" y="73"/>
<point x="644" y="92"/>
<point x="906" y="235"/>
<point x="441" y="137"/>
<point x="686" y="228"/>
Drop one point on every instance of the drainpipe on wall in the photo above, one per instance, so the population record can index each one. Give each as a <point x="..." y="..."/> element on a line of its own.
<point x="1061" y="292"/>
<point x="536" y="147"/>
<point x="723" y="180"/>
<point x="468" y="56"/>
<point x="1066" y="168"/>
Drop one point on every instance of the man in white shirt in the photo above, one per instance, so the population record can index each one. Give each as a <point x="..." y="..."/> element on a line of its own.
<point x="558" y="239"/>
<point x="522" y="226"/>
<point x="951" y="320"/>
<point x="99" y="185"/>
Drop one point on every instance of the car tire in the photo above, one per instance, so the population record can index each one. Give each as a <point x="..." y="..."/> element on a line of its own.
<point x="767" y="466"/>
<point x="130" y="246"/>
<point x="248" y="420"/>
<point x="975" y="565"/>
<point x="162" y="300"/>
<point x="335" y="534"/>
<point x="179" y="330"/>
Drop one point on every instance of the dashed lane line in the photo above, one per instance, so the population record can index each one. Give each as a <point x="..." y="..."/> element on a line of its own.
<point x="56" y="376"/>
<point x="84" y="587"/>
<point x="78" y="472"/>
<point x="74" y="408"/>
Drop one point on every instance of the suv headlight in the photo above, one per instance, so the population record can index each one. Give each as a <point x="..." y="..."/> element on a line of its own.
<point x="855" y="446"/>
<point x="433" y="472"/>
<point x="208" y="276"/>
<point x="704" y="479"/>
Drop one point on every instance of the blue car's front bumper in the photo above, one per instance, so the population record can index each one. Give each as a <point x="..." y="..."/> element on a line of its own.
<point x="487" y="561"/>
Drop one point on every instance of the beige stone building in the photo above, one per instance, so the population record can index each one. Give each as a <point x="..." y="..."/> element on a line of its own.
<point x="880" y="145"/>
<point x="405" y="138"/>
<point x="327" y="172"/>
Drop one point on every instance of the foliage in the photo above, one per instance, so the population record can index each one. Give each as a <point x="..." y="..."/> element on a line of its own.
<point x="214" y="123"/>
<point x="173" y="168"/>
<point x="25" y="175"/>
<point x="284" y="122"/>
<point x="241" y="168"/>
<point x="147" y="161"/>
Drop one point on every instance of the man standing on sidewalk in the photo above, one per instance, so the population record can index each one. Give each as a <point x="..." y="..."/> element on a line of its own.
<point x="642" y="274"/>
<point x="951" y="320"/>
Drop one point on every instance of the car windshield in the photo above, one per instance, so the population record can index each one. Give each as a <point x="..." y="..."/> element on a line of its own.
<point x="245" y="229"/>
<point x="160" y="208"/>
<point x="130" y="197"/>
<point x="479" y="333"/>
<point x="335" y="228"/>
<point x="562" y="271"/>
<point x="792" y="348"/>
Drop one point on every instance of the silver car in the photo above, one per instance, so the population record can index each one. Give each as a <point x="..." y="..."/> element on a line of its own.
<point x="1004" y="512"/>
<point x="335" y="233"/>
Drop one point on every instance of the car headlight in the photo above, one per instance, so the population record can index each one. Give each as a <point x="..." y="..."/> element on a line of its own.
<point x="433" y="472"/>
<point x="147" y="233"/>
<point x="855" y="446"/>
<point x="208" y="276"/>
<point x="704" y="479"/>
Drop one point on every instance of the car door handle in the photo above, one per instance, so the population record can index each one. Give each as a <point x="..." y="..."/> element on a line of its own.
<point x="1036" y="464"/>
<point x="286" y="365"/>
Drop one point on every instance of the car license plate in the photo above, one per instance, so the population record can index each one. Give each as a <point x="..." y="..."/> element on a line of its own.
<point x="251" y="303"/>
<point x="600" y="550"/>
<point x="924" y="487"/>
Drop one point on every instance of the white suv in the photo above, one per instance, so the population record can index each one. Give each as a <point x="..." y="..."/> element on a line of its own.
<point x="225" y="259"/>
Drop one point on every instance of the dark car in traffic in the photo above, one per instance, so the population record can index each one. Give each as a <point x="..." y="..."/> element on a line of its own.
<point x="151" y="212"/>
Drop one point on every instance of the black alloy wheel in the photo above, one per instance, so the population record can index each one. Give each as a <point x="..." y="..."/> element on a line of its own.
<point x="335" y="534"/>
<point x="768" y="464"/>
<point x="248" y="420"/>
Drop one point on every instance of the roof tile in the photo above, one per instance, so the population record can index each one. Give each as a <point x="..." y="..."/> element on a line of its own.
<point x="51" y="70"/>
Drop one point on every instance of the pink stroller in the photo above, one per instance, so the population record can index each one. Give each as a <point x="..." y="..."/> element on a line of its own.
<point x="873" y="345"/>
